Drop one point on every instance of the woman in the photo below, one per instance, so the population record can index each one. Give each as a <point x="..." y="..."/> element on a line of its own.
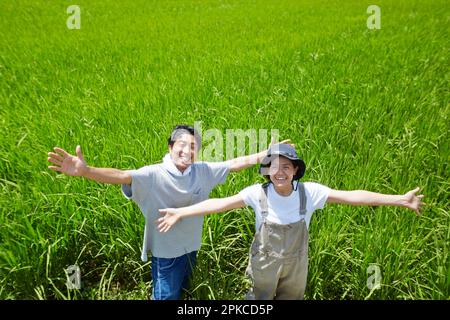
<point x="278" y="263"/>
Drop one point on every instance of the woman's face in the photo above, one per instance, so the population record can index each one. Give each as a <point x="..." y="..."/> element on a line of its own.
<point x="281" y="172"/>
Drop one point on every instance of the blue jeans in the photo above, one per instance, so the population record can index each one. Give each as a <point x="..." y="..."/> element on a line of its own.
<point x="171" y="275"/>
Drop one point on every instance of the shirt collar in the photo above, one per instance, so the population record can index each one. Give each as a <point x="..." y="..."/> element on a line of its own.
<point x="170" y="166"/>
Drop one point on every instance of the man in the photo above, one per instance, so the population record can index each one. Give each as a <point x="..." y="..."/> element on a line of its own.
<point x="178" y="181"/>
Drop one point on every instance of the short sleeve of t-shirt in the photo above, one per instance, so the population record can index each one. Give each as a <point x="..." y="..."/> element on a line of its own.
<point x="317" y="194"/>
<point x="217" y="172"/>
<point x="251" y="195"/>
<point x="284" y="210"/>
<point x="141" y="182"/>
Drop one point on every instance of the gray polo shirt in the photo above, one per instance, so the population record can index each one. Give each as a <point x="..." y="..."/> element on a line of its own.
<point x="154" y="187"/>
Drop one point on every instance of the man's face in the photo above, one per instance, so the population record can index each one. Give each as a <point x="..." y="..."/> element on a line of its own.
<point x="282" y="172"/>
<point x="184" y="151"/>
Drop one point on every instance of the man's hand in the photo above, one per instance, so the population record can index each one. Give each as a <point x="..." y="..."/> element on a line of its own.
<point x="244" y="162"/>
<point x="413" y="202"/>
<point x="170" y="218"/>
<point x="67" y="163"/>
<point x="76" y="166"/>
<point x="287" y="141"/>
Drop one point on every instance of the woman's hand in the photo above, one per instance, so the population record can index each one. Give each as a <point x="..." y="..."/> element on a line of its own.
<point x="412" y="201"/>
<point x="168" y="220"/>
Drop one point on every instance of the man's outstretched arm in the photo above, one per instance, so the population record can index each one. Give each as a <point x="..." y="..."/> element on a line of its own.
<point x="244" y="162"/>
<point x="76" y="166"/>
<point x="362" y="197"/>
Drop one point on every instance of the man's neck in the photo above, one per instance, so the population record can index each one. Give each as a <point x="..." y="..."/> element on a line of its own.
<point x="180" y="168"/>
<point x="173" y="167"/>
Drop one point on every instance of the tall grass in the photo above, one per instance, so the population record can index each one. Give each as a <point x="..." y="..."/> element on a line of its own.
<point x="367" y="109"/>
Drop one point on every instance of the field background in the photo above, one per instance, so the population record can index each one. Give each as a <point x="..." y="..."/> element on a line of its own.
<point x="367" y="109"/>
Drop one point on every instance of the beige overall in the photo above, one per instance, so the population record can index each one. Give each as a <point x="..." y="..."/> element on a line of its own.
<point x="278" y="263"/>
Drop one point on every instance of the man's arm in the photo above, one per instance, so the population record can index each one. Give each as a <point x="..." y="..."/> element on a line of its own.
<point x="245" y="162"/>
<point x="241" y="163"/>
<point x="76" y="166"/>
<point x="366" y="198"/>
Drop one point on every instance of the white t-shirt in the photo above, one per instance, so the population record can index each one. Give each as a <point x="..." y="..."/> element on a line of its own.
<point x="285" y="210"/>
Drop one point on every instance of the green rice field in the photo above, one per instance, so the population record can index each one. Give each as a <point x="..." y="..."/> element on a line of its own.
<point x="366" y="108"/>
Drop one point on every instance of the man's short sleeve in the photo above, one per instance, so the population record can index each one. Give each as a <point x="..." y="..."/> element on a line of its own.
<point x="218" y="172"/>
<point x="141" y="181"/>
<point x="318" y="194"/>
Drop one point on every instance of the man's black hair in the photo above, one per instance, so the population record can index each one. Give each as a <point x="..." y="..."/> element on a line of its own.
<point x="183" y="129"/>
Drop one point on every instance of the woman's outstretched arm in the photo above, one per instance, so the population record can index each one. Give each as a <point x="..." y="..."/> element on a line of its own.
<point x="172" y="215"/>
<point x="367" y="198"/>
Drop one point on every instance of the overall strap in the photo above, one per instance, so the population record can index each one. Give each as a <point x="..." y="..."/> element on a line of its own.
<point x="263" y="201"/>
<point x="302" y="197"/>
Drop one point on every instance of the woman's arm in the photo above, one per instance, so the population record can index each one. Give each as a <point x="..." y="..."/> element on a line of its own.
<point x="172" y="215"/>
<point x="366" y="198"/>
